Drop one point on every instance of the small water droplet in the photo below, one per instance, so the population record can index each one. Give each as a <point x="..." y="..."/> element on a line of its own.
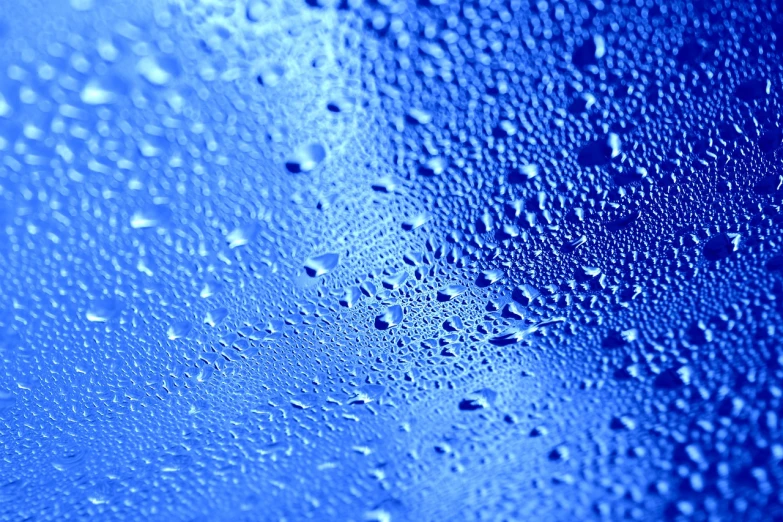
<point x="306" y="158"/>
<point x="103" y="310"/>
<point x="179" y="329"/>
<point x="151" y="216"/>
<point x="449" y="292"/>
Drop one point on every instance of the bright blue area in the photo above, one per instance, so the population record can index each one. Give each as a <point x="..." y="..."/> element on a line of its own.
<point x="390" y="261"/>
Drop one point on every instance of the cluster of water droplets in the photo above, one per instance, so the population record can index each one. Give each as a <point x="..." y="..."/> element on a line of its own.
<point x="390" y="261"/>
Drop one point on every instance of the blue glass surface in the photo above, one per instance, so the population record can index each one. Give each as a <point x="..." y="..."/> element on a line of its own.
<point x="354" y="260"/>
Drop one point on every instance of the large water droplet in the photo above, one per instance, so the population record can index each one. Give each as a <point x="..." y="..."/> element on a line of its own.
<point x="321" y="265"/>
<point x="391" y="317"/>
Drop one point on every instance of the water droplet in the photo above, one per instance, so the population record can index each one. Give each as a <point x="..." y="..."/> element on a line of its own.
<point x="241" y="236"/>
<point x="351" y="296"/>
<point x="478" y="400"/>
<point x="179" y="330"/>
<point x="216" y="316"/>
<point x="391" y="317"/>
<point x="94" y="94"/>
<point x="396" y="280"/>
<point x="449" y="292"/>
<point x="103" y="310"/>
<point x="155" y="71"/>
<point x="487" y="277"/>
<point x="321" y="265"/>
<point x="151" y="216"/>
<point x="306" y="158"/>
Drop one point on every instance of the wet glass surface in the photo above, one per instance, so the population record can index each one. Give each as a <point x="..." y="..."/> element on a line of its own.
<point x="390" y="261"/>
